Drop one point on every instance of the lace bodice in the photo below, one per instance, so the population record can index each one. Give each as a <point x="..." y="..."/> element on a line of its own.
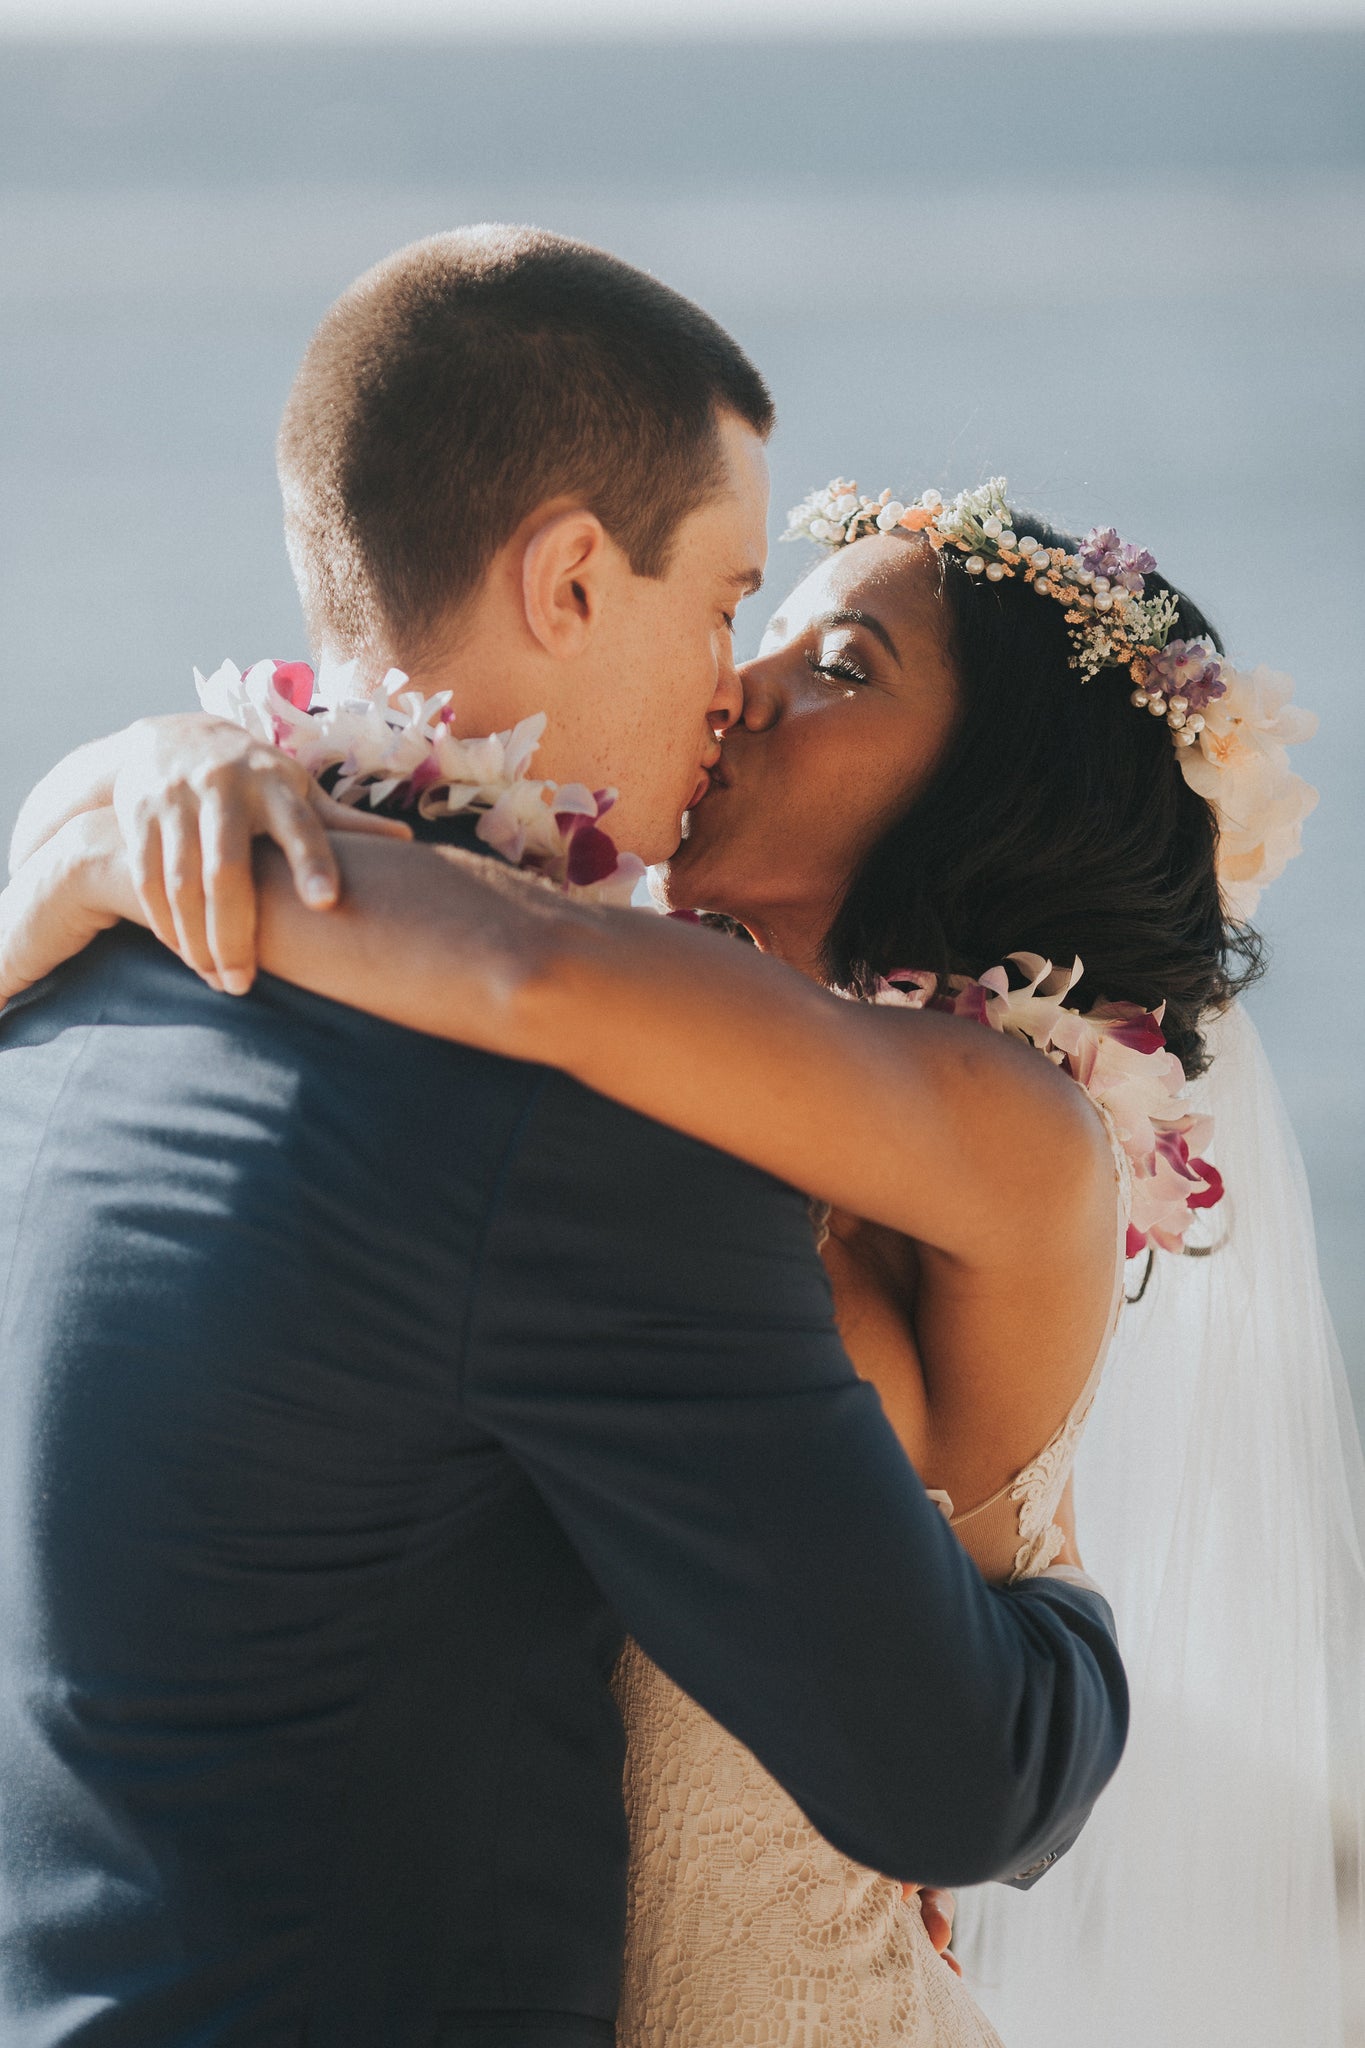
<point x="745" y="1926"/>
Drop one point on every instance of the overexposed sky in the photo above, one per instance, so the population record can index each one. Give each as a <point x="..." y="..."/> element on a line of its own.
<point x="334" y="18"/>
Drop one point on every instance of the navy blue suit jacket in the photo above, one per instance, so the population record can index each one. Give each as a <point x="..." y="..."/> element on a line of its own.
<point x="357" y="1391"/>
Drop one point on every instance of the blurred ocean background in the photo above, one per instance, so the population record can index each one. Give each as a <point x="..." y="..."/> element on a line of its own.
<point x="1128" y="272"/>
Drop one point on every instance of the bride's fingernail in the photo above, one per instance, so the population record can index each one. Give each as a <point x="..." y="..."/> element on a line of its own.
<point x="212" y="981"/>
<point x="236" y="981"/>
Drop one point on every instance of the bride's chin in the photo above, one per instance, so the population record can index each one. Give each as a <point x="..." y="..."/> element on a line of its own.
<point x="687" y="882"/>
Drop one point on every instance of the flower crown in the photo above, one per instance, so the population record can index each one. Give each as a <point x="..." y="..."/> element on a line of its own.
<point x="394" y="752"/>
<point x="1230" y="728"/>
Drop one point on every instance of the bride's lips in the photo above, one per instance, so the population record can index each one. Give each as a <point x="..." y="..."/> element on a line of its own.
<point x="708" y="780"/>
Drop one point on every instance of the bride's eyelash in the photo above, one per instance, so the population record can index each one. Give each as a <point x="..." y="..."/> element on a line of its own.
<point x="837" y="669"/>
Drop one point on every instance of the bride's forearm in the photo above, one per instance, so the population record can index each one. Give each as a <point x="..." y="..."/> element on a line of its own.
<point x="449" y="946"/>
<point x="949" y="1135"/>
<point x="82" y="781"/>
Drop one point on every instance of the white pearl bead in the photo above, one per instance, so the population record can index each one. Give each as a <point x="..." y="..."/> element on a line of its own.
<point x="1140" y="699"/>
<point x="1042" y="586"/>
<point x="994" y="571"/>
<point x="974" y="564"/>
<point x="1026" y="544"/>
<point x="820" y="529"/>
<point x="1186" y="738"/>
<point x="1195" y="722"/>
<point x="931" y="500"/>
<point x="1175" y="719"/>
<point x="1157" y="706"/>
<point x="1103" y="601"/>
<point x="890" y="515"/>
<point x="1008" y="539"/>
<point x="1180" y="703"/>
<point x="993" y="526"/>
<point x="1101" y="583"/>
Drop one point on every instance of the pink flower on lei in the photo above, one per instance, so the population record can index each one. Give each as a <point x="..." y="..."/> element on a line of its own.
<point x="1117" y="1053"/>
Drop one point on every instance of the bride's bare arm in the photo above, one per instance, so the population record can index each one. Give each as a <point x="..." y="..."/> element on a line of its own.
<point x="955" y="1137"/>
<point x="190" y="793"/>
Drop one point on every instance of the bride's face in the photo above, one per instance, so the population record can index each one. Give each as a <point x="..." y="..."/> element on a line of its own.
<point x="846" y="710"/>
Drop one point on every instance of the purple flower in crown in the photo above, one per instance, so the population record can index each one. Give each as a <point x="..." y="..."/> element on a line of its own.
<point x="1102" y="553"/>
<point x="1192" y="669"/>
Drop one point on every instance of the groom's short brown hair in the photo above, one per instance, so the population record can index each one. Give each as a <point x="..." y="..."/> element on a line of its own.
<point x="464" y="381"/>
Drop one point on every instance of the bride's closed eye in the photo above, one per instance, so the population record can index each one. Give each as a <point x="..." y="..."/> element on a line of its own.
<point x="840" y="668"/>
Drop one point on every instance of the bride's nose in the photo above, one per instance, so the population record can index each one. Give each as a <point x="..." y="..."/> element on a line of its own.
<point x="761" y="681"/>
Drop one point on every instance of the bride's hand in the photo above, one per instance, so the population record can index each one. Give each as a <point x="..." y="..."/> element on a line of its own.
<point x="190" y="795"/>
<point x="1065" y="1519"/>
<point x="75" y="886"/>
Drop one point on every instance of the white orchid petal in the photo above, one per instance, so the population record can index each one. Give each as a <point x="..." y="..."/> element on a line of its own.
<point x="575" y="799"/>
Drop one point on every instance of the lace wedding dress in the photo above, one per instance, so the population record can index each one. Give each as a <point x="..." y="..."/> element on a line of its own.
<point x="746" y="1929"/>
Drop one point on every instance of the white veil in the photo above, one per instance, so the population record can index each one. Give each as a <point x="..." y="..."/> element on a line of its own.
<point x="1220" y="1500"/>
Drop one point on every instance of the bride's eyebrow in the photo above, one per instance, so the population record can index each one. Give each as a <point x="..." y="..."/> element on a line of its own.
<point x="869" y="624"/>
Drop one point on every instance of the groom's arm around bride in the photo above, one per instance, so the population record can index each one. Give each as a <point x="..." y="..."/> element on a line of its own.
<point x="321" y="1341"/>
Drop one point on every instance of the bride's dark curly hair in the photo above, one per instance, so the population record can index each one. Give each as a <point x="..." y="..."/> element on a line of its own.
<point x="1057" y="821"/>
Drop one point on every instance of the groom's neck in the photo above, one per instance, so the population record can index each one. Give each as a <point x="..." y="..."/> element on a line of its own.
<point x="492" y="673"/>
<point x="483" y="698"/>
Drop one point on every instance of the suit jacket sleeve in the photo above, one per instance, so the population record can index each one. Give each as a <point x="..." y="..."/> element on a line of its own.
<point x="652" y="1339"/>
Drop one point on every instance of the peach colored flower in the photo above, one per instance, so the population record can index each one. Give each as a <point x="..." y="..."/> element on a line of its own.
<point x="1241" y="767"/>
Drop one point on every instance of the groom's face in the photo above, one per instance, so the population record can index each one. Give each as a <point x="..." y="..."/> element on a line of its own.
<point x="664" y="679"/>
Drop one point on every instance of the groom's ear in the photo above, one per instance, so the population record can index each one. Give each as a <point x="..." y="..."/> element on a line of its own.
<point x="563" y="566"/>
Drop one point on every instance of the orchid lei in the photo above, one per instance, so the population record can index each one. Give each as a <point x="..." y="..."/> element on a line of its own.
<point x="1117" y="1053"/>
<point x="394" y="751"/>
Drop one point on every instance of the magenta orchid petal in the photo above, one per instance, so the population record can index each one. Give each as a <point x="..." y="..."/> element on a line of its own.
<point x="971" y="1002"/>
<point x="1212" y="1192"/>
<point x="424" y="776"/>
<point x="1140" y="1033"/>
<point x="294" y="681"/>
<point x="592" y="857"/>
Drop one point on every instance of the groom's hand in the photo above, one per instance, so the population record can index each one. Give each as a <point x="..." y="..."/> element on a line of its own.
<point x="190" y="795"/>
<point x="937" y="1909"/>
